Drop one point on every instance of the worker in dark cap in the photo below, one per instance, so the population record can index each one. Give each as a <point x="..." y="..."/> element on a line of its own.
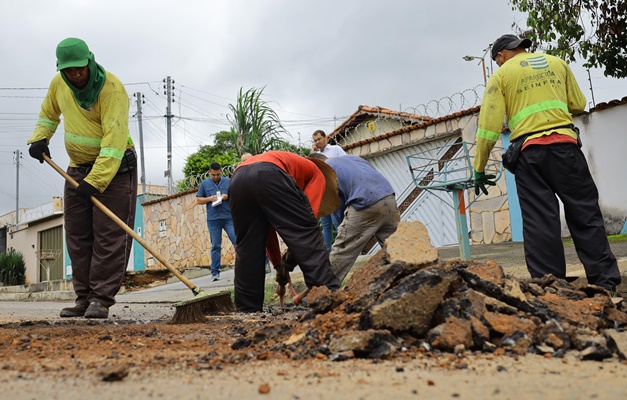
<point x="508" y="42"/>
<point x="539" y="94"/>
<point x="95" y="107"/>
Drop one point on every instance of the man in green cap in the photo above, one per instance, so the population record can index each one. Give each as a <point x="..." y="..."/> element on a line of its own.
<point x="95" y="109"/>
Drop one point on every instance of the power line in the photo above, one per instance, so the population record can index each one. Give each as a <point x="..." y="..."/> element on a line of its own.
<point x="23" y="88"/>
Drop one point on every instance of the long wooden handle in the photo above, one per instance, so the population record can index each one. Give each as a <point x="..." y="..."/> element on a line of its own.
<point x="126" y="228"/>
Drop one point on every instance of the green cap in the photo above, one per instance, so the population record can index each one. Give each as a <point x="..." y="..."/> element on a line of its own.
<point x="72" y="52"/>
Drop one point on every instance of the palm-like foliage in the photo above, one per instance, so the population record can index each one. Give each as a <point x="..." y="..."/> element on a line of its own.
<point x="255" y="126"/>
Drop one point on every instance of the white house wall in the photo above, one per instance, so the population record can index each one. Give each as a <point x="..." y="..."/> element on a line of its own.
<point x="603" y="136"/>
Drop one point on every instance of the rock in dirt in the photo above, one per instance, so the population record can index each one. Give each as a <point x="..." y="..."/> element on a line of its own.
<point x="264" y="388"/>
<point x="410" y="244"/>
<point x="365" y="344"/>
<point x="271" y="331"/>
<point x="321" y="299"/>
<point x="617" y="341"/>
<point x="494" y="290"/>
<point x="454" y="332"/>
<point x="584" y="312"/>
<point x="518" y="343"/>
<point x="372" y="279"/>
<point x="114" y="374"/>
<point x="595" y="353"/>
<point x="489" y="271"/>
<point x="410" y="305"/>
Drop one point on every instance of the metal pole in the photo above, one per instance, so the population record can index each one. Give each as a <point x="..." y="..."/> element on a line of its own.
<point x="168" y="116"/>
<point x="485" y="78"/>
<point x="462" y="225"/>
<point x="17" y="187"/>
<point x="140" y="99"/>
<point x="591" y="91"/>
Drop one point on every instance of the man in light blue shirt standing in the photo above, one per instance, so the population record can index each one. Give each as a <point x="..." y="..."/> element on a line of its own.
<point x="214" y="192"/>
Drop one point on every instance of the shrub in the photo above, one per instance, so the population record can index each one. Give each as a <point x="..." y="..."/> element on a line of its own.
<point x="12" y="268"/>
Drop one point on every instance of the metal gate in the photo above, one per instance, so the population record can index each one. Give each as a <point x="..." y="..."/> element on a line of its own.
<point x="50" y="254"/>
<point x="3" y="239"/>
<point x="419" y="205"/>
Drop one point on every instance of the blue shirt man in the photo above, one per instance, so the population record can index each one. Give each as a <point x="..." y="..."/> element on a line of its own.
<point x="214" y="192"/>
<point x="368" y="209"/>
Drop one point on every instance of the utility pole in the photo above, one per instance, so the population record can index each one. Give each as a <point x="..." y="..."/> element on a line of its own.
<point x="140" y="101"/>
<point x="168" y="115"/>
<point x="18" y="156"/>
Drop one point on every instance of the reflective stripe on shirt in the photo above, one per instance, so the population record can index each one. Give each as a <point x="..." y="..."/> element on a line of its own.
<point x="47" y="123"/>
<point x="111" y="152"/>
<point x="487" y="135"/>
<point x="536" y="108"/>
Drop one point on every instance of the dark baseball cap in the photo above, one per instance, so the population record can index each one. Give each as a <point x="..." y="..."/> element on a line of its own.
<point x="508" y="42"/>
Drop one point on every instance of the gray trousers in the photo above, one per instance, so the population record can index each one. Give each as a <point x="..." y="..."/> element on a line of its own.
<point x="99" y="249"/>
<point x="358" y="227"/>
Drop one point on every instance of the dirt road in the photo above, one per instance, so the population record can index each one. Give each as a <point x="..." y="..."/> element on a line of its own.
<point x="83" y="359"/>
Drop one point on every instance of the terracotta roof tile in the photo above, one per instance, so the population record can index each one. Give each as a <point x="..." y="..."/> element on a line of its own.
<point x="366" y="112"/>
<point x="428" y="121"/>
<point x="609" y="104"/>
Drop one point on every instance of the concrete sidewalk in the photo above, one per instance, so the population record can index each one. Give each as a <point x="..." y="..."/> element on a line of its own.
<point x="511" y="256"/>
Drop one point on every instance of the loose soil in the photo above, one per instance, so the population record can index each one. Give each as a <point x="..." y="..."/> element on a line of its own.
<point x="78" y="358"/>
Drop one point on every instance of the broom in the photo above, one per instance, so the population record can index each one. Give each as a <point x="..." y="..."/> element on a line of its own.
<point x="187" y="312"/>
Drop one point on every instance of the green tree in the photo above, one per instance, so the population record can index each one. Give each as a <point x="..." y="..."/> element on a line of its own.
<point x="594" y="29"/>
<point x="223" y="142"/>
<point x="286" y="146"/>
<point x="255" y="126"/>
<point x="198" y="163"/>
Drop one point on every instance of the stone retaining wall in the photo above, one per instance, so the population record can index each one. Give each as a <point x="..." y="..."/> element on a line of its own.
<point x="176" y="227"/>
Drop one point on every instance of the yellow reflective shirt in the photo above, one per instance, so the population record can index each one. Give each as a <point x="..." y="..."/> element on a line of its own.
<point x="97" y="136"/>
<point x="537" y="92"/>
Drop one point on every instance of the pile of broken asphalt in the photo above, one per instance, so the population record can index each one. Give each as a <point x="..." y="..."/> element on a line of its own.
<point x="403" y="300"/>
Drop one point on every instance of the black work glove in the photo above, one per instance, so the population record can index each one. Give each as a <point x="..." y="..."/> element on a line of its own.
<point x="85" y="191"/>
<point x="38" y="149"/>
<point x="481" y="179"/>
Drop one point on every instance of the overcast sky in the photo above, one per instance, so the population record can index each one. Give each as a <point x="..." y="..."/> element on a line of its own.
<point x="319" y="60"/>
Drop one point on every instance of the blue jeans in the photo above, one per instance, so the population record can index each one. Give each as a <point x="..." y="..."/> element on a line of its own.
<point x="328" y="223"/>
<point x="215" y="234"/>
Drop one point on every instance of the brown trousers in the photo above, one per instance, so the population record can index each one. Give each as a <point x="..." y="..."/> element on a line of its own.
<point x="357" y="228"/>
<point x="99" y="249"/>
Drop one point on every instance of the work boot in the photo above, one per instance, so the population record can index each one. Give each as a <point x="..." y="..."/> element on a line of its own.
<point x="96" y="310"/>
<point x="76" y="311"/>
